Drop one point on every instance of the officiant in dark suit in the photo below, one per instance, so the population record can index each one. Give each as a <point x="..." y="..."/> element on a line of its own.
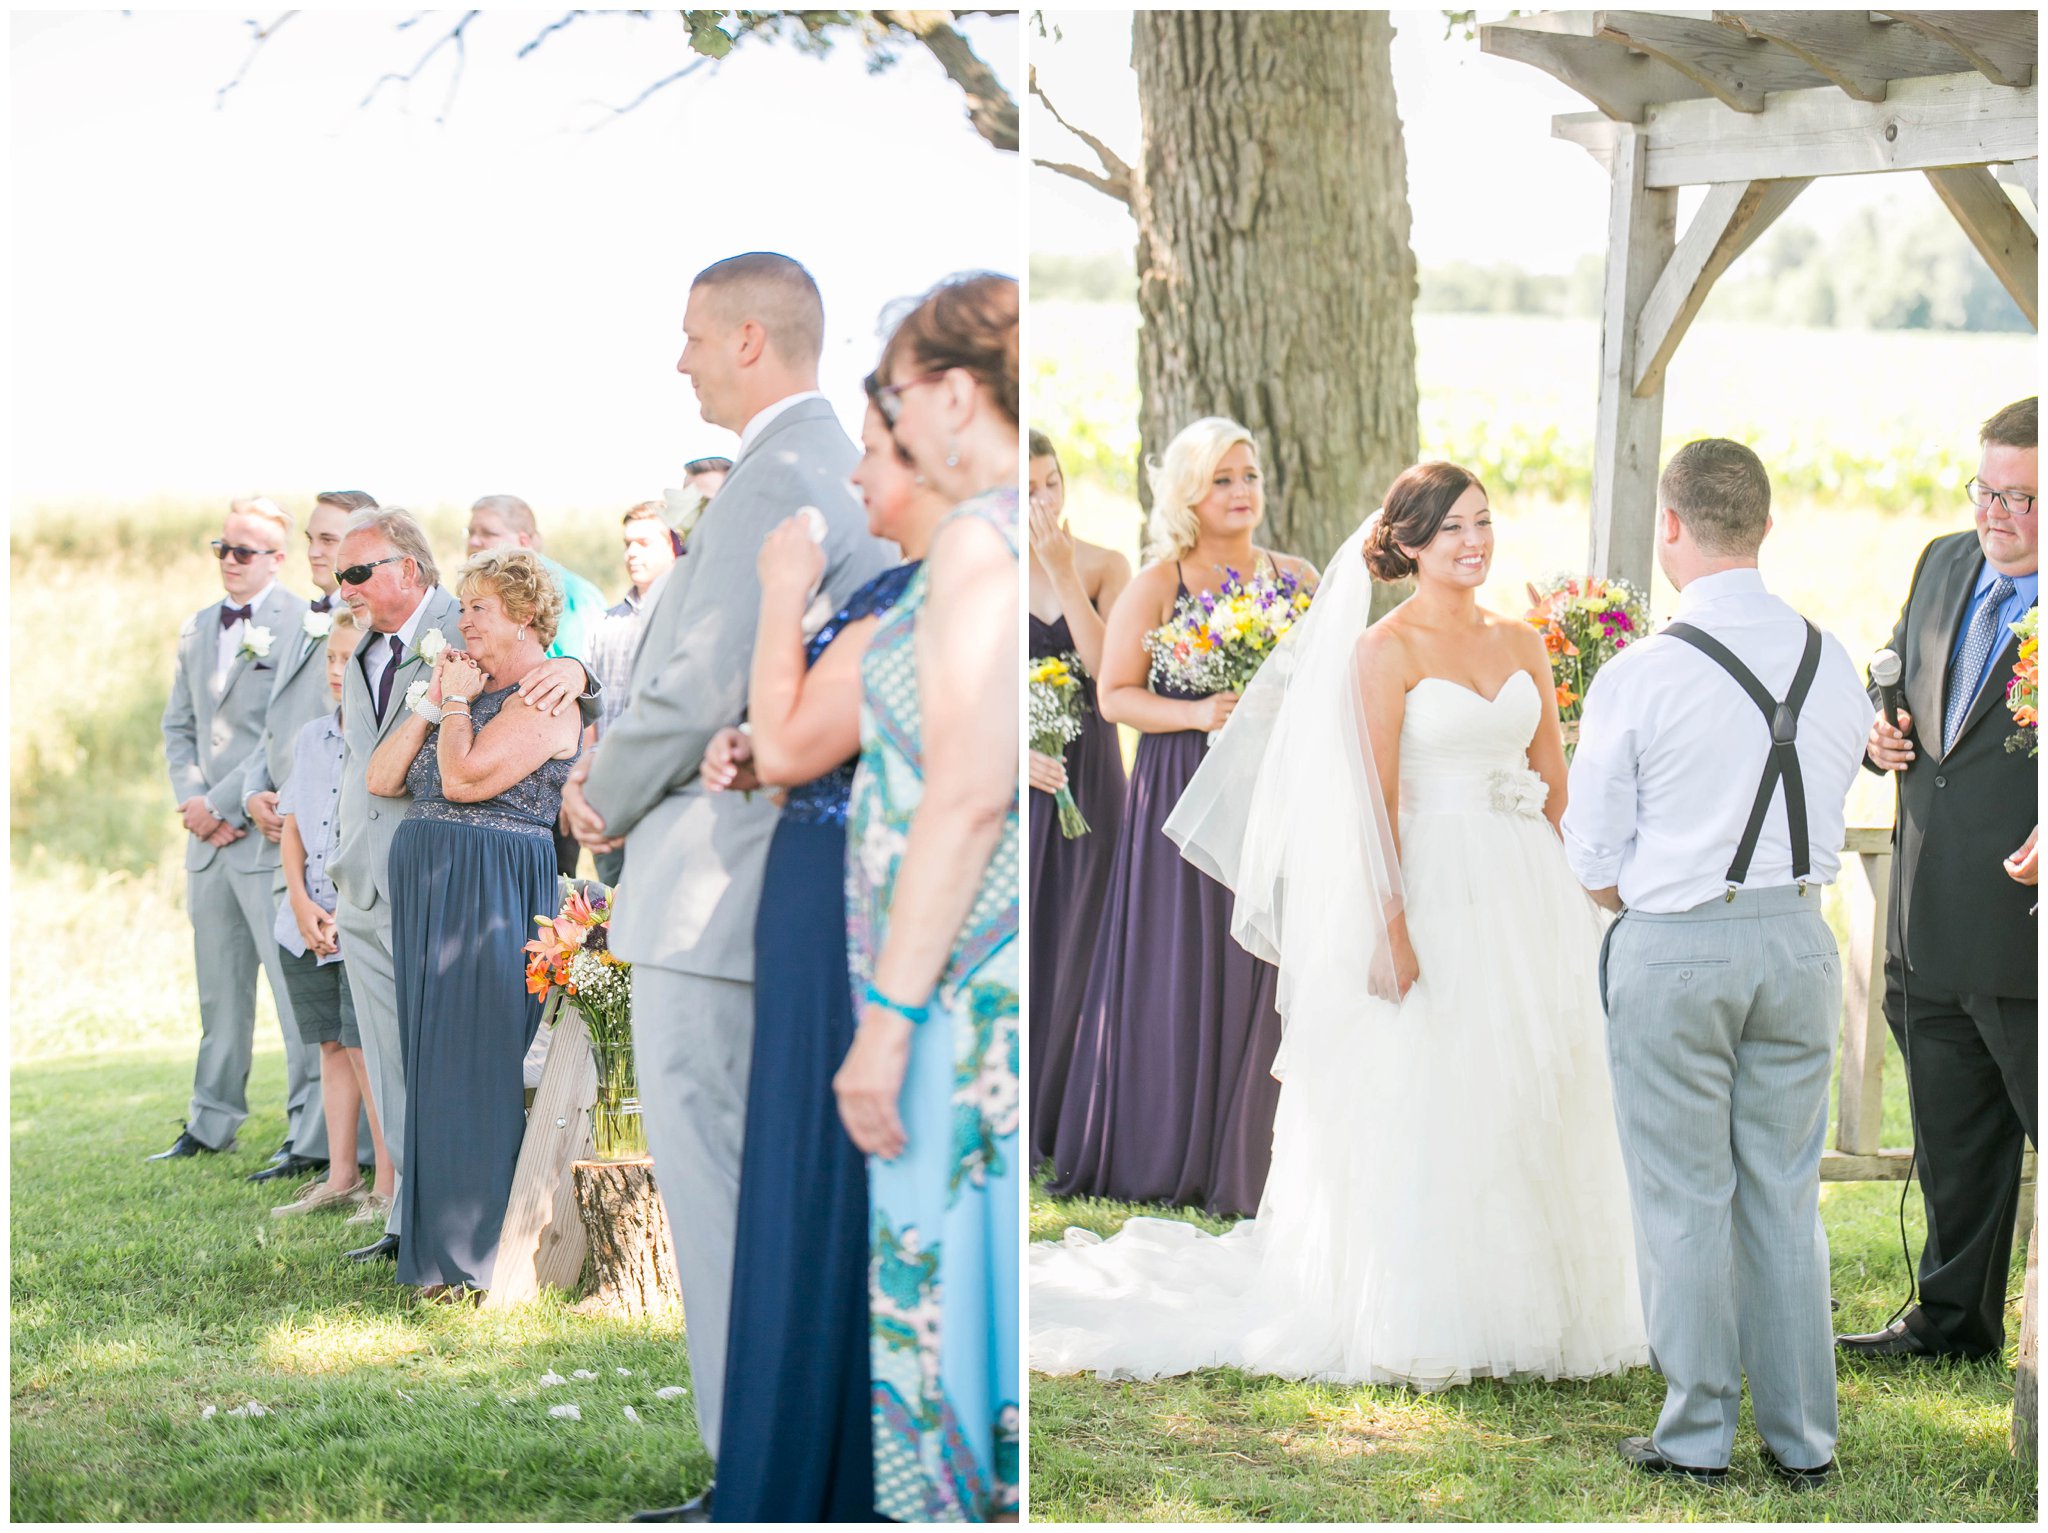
<point x="1961" y="953"/>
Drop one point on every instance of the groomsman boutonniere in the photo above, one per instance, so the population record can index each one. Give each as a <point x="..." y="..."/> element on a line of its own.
<point x="318" y="624"/>
<point x="255" y="644"/>
<point x="685" y="509"/>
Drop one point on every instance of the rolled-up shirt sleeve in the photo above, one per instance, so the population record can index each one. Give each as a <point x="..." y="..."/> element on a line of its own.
<point x="1600" y="814"/>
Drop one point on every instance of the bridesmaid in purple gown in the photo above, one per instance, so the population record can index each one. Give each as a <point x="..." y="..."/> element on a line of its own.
<point x="1170" y="1094"/>
<point x="1072" y="584"/>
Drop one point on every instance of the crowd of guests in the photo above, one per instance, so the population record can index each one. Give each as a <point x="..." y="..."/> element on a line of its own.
<point x="792" y="747"/>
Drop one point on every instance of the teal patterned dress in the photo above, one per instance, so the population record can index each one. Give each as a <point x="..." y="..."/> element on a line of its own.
<point x="943" y="1258"/>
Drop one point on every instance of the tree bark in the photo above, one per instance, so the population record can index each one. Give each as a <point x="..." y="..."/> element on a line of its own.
<point x="1275" y="280"/>
<point x="632" y="1253"/>
<point x="2026" y="1398"/>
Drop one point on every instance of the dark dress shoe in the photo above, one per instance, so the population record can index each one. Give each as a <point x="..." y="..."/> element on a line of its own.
<point x="1799" y="1479"/>
<point x="185" y="1146"/>
<point x="1641" y="1453"/>
<point x="289" y="1168"/>
<point x="384" y="1248"/>
<point x="1900" y="1340"/>
<point x="282" y="1150"/>
<point x="696" y="1509"/>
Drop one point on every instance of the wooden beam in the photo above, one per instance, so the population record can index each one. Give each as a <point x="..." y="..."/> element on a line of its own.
<point x="1866" y="885"/>
<point x="1861" y="56"/>
<point x="542" y="1242"/>
<point x="1641" y="232"/>
<point x="2006" y="240"/>
<point x="1727" y="224"/>
<point x="1739" y="70"/>
<point x="2026" y="175"/>
<point x="1619" y="81"/>
<point x="1884" y="1166"/>
<point x="1924" y="124"/>
<point x="2000" y="45"/>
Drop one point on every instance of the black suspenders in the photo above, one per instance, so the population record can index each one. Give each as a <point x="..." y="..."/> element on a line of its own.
<point x="1783" y="761"/>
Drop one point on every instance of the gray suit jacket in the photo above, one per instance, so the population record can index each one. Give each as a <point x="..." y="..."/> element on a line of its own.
<point x="298" y="695"/>
<point x="365" y="822"/>
<point x="694" y="859"/>
<point x="210" y="734"/>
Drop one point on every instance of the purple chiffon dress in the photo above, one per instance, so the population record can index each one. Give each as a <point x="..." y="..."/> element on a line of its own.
<point x="1169" y="1095"/>
<point x="1069" y="883"/>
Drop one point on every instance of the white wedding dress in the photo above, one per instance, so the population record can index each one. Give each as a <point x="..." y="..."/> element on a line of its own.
<point x="1446" y="1200"/>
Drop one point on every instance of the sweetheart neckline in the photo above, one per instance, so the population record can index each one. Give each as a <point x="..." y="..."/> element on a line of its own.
<point x="1474" y="691"/>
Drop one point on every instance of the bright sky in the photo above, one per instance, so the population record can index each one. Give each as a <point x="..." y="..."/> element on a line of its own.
<point x="289" y="294"/>
<point x="1486" y="181"/>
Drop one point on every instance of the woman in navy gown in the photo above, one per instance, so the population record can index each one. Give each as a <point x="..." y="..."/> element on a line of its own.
<point x="1072" y="585"/>
<point x="1170" y="1094"/>
<point x="797" y="1446"/>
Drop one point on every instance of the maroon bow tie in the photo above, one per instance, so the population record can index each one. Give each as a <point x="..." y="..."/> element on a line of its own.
<point x="229" y="616"/>
<point x="324" y="603"/>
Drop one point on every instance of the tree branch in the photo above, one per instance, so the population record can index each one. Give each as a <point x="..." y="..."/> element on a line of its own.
<point x="547" y="31"/>
<point x="260" y="35"/>
<point x="989" y="106"/>
<point x="452" y="35"/>
<point x="1117" y="180"/>
<point x="663" y="83"/>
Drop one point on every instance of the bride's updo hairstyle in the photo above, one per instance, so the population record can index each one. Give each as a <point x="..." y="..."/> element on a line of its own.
<point x="1412" y="515"/>
<point x="1180" y="482"/>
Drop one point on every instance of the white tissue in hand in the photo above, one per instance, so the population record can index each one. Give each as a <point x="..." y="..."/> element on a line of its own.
<point x="814" y="522"/>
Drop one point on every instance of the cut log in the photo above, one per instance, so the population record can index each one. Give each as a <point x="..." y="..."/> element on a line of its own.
<point x="632" y="1252"/>
<point x="2026" y="1395"/>
<point x="541" y="1242"/>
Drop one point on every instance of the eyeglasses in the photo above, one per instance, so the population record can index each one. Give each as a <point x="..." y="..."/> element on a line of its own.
<point x="356" y="574"/>
<point x="888" y="397"/>
<point x="237" y="552"/>
<point x="1983" y="497"/>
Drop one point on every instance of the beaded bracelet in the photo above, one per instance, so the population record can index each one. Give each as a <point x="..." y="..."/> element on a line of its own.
<point x="915" y="1015"/>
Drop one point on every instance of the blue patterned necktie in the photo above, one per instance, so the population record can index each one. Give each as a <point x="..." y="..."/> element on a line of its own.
<point x="1978" y="648"/>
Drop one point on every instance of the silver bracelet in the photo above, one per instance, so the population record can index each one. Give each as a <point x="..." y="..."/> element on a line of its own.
<point x="427" y="711"/>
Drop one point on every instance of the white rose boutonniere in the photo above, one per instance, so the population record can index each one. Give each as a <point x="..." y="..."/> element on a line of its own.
<point x="318" y="624"/>
<point x="430" y="645"/>
<point x="685" y="509"/>
<point x="256" y="643"/>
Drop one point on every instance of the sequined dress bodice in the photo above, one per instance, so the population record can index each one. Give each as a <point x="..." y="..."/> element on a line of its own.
<point x="530" y="806"/>
<point x="823" y="800"/>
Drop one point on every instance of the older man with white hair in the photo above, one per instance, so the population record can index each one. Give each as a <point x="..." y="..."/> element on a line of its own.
<point x="220" y="693"/>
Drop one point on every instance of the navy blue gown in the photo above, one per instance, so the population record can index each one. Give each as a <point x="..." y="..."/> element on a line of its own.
<point x="797" y="1445"/>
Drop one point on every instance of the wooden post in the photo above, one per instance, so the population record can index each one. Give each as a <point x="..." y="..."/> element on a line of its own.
<point x="2026" y="1394"/>
<point x="632" y="1250"/>
<point x="542" y="1243"/>
<point x="1642" y="230"/>
<point x="1867" y="899"/>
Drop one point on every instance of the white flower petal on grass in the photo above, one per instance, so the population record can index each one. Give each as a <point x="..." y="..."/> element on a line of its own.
<point x="550" y="1379"/>
<point x="566" y="1412"/>
<point x="208" y="1412"/>
<point x="670" y="1393"/>
<point x="624" y="1373"/>
<point x="582" y="1373"/>
<point x="251" y="1409"/>
<point x="408" y="1399"/>
<point x="634" y="1417"/>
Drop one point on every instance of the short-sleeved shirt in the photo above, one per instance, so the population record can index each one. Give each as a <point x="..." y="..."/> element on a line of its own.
<point x="311" y="795"/>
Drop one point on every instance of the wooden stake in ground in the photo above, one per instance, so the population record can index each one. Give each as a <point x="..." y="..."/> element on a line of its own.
<point x="2026" y="1396"/>
<point x="632" y="1252"/>
<point x="542" y="1242"/>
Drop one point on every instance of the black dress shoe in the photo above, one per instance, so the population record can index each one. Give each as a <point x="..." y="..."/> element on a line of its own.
<point x="291" y="1167"/>
<point x="1799" y="1479"/>
<point x="696" y="1509"/>
<point x="282" y="1150"/>
<point x="383" y="1248"/>
<point x="1900" y="1340"/>
<point x="1641" y="1453"/>
<point x="186" y="1145"/>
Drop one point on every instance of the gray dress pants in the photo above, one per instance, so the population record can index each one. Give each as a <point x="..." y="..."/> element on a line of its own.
<point x="232" y="942"/>
<point x="1721" y="1023"/>
<point x="373" y="985"/>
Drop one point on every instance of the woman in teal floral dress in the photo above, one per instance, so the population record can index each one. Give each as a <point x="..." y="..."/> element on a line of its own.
<point x="929" y="1088"/>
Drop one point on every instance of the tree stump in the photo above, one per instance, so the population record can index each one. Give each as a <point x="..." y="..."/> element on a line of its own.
<point x="632" y="1252"/>
<point x="2026" y="1395"/>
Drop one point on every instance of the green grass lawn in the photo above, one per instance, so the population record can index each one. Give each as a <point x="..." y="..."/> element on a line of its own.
<point x="143" y="1293"/>
<point x="1921" y="1443"/>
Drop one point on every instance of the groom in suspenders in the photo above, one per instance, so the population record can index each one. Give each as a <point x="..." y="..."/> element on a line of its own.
<point x="1707" y="804"/>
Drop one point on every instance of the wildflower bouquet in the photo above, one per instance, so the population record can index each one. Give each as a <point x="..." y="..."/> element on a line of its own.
<point x="2023" y="697"/>
<point x="1585" y="624"/>
<point x="1057" y="706"/>
<point x="1216" y="642"/>
<point x="572" y="958"/>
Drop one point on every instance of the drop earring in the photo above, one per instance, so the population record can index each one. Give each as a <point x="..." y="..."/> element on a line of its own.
<point x="952" y="452"/>
<point x="521" y="635"/>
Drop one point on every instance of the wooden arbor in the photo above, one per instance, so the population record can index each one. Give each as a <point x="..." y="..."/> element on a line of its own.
<point x="1754" y="105"/>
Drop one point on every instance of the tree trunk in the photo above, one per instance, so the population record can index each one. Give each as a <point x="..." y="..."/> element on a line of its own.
<point x="2026" y="1397"/>
<point x="632" y="1254"/>
<point x="1275" y="281"/>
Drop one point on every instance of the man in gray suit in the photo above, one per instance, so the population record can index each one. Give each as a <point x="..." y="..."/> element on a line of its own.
<point x="389" y="579"/>
<point x="298" y="694"/>
<point x="754" y="330"/>
<point x="227" y="655"/>
<point x="1707" y="803"/>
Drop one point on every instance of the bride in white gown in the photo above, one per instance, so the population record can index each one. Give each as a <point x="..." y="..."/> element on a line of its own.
<point x="1446" y="1199"/>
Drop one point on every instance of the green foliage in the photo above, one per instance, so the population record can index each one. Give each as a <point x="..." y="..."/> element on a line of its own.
<point x="1105" y="276"/>
<point x="142" y="1293"/>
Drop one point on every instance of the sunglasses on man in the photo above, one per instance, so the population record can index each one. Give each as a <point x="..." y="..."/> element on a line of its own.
<point x="238" y="553"/>
<point x="356" y="574"/>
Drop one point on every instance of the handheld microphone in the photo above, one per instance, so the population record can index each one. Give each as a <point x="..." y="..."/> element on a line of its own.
<point x="1885" y="669"/>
